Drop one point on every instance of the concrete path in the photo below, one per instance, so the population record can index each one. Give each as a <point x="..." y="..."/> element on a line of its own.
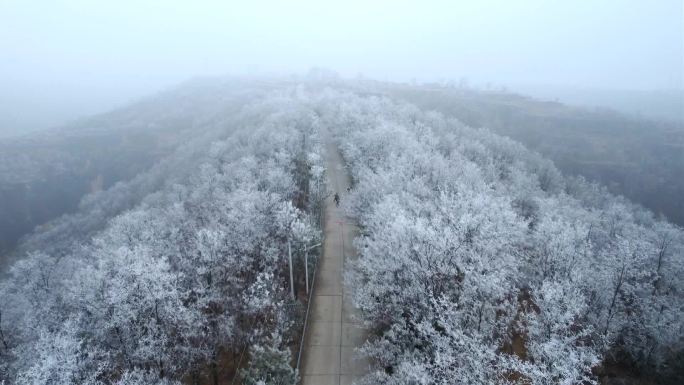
<point x="329" y="357"/>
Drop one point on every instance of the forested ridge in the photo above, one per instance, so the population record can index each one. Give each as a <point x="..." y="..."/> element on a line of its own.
<point x="190" y="277"/>
<point x="639" y="158"/>
<point x="480" y="263"/>
<point x="116" y="157"/>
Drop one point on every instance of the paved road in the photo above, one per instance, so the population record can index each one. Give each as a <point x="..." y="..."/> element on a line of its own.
<point x="329" y="357"/>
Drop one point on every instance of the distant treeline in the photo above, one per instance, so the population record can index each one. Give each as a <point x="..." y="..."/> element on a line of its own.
<point x="47" y="174"/>
<point x="638" y="158"/>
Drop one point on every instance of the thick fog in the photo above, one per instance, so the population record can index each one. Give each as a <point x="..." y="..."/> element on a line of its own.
<point x="63" y="59"/>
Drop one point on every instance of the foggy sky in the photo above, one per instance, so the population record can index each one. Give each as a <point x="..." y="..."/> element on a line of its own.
<point x="60" y="59"/>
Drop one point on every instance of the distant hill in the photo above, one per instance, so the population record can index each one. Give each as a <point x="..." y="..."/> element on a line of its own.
<point x="45" y="174"/>
<point x="663" y="105"/>
<point x="639" y="158"/>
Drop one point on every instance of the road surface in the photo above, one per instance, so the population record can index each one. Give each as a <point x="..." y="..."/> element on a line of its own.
<point x="332" y="335"/>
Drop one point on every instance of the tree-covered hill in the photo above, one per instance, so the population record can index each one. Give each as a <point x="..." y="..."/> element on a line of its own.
<point x="480" y="262"/>
<point x="47" y="174"/>
<point x="639" y="158"/>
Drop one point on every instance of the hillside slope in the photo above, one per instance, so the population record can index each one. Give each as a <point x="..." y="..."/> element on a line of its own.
<point x="481" y="262"/>
<point x="638" y="158"/>
<point x="47" y="174"/>
<point x="176" y="274"/>
<point x="478" y="261"/>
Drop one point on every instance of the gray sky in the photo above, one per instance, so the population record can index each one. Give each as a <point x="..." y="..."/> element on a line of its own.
<point x="60" y="59"/>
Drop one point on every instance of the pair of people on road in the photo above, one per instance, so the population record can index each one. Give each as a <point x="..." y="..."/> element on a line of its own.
<point x="337" y="197"/>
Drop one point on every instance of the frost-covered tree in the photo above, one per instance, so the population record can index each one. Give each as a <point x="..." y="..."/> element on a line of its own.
<point x="472" y="246"/>
<point x="194" y="272"/>
<point x="270" y="365"/>
<point x="479" y="263"/>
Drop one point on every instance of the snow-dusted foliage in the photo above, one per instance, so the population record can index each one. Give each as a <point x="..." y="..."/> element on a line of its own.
<point x="480" y="263"/>
<point x="195" y="274"/>
<point x="270" y="365"/>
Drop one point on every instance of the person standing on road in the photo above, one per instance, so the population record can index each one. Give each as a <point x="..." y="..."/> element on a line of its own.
<point x="337" y="199"/>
